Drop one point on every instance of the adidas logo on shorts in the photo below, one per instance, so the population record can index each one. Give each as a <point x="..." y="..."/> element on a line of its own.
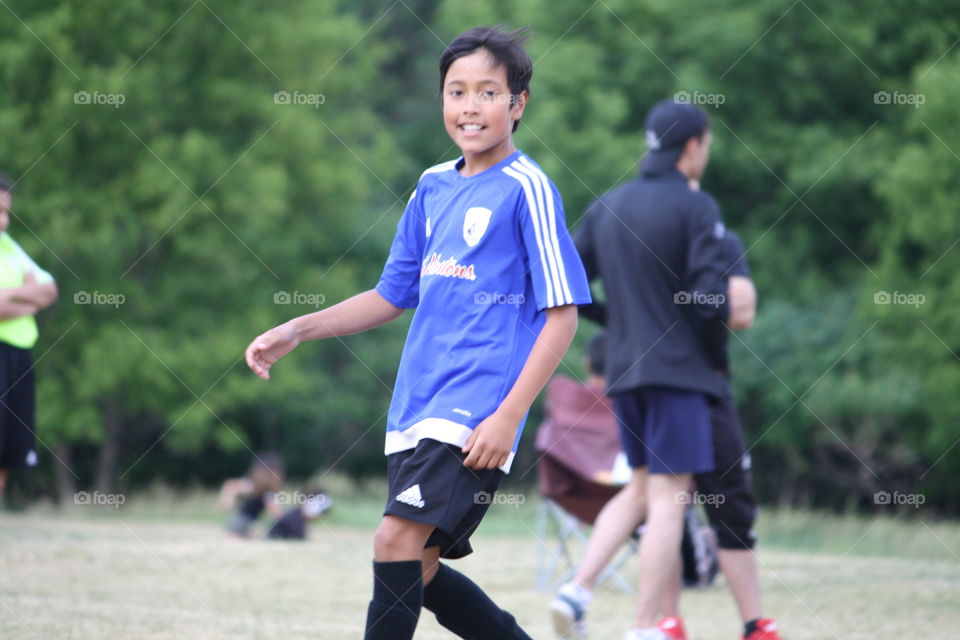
<point x="412" y="497"/>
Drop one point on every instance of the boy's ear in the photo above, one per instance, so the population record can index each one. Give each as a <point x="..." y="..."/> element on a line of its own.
<point x="519" y="102"/>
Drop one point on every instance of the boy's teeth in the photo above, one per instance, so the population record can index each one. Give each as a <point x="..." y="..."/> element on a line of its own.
<point x="472" y="127"/>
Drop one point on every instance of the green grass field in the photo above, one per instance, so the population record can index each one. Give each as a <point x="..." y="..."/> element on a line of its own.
<point x="159" y="567"/>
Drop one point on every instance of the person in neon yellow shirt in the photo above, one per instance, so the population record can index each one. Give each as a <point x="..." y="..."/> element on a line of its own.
<point x="25" y="289"/>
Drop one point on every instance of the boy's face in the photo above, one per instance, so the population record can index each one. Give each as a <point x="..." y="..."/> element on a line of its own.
<point x="478" y="108"/>
<point x="4" y="210"/>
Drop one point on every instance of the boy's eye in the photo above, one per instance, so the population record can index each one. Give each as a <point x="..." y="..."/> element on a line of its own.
<point x="455" y="93"/>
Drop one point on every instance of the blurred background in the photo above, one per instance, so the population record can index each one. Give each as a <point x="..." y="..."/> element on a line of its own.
<point x="193" y="173"/>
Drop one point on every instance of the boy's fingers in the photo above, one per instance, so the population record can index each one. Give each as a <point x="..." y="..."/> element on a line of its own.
<point x="469" y="444"/>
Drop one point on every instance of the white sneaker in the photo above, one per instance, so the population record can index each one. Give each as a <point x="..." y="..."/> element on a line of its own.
<point x="568" y="611"/>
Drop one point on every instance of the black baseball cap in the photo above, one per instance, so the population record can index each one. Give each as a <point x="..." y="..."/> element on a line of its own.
<point x="669" y="125"/>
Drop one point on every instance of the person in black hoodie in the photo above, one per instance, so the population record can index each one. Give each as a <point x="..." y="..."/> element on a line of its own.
<point x="656" y="246"/>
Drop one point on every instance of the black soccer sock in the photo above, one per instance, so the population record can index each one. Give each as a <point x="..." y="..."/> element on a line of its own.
<point x="750" y="627"/>
<point x="463" y="608"/>
<point x="397" y="599"/>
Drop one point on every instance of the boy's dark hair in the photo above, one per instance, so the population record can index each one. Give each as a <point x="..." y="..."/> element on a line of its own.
<point x="597" y="353"/>
<point x="6" y="184"/>
<point x="506" y="48"/>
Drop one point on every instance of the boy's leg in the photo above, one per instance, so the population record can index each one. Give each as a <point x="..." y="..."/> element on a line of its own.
<point x="462" y="607"/>
<point x="660" y="544"/>
<point x="619" y="518"/>
<point x="733" y="510"/>
<point x="739" y="567"/>
<point x="680" y="443"/>
<point x="670" y="603"/>
<point x="397" y="579"/>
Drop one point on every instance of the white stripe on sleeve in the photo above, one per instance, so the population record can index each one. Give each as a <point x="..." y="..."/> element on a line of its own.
<point x="550" y="232"/>
<point x="532" y="207"/>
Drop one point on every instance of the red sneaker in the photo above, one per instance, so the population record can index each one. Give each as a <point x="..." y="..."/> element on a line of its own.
<point x="766" y="630"/>
<point x="672" y="628"/>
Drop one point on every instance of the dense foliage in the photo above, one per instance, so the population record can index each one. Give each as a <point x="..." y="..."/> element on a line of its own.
<point x="206" y="194"/>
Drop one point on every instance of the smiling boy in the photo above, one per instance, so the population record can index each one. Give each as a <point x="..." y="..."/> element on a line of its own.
<point x="483" y="255"/>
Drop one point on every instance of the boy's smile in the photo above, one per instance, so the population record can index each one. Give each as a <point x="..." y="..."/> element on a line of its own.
<point x="479" y="110"/>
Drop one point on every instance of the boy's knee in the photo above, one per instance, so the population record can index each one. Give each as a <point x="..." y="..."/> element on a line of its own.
<point x="399" y="539"/>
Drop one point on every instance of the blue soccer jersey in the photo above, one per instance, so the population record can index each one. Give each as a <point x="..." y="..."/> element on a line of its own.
<point x="480" y="258"/>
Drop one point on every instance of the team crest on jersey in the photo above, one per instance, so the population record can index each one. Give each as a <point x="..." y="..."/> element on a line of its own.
<point x="475" y="223"/>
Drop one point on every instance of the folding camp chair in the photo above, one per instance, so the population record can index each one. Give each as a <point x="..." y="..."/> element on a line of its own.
<point x="578" y="444"/>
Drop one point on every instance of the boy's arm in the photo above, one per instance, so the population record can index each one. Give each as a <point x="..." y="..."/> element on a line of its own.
<point x="32" y="292"/>
<point x="743" y="303"/>
<point x="491" y="442"/>
<point x="359" y="313"/>
<point x="12" y="308"/>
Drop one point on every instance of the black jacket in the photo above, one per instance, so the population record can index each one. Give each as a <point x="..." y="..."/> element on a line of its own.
<point x="656" y="246"/>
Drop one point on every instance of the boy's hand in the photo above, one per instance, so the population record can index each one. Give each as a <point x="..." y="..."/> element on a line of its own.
<point x="270" y="347"/>
<point x="491" y="442"/>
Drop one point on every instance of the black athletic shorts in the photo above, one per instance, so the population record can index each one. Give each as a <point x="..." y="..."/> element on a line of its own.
<point x="17" y="407"/>
<point x="727" y="492"/>
<point x="430" y="485"/>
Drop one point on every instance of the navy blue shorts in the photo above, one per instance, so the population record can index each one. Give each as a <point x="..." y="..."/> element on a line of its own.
<point x="666" y="430"/>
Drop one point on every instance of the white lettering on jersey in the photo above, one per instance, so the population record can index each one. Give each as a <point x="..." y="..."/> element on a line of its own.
<point x="412" y="497"/>
<point x="475" y="223"/>
<point x="429" y="230"/>
<point x="435" y="265"/>
<point x="462" y="412"/>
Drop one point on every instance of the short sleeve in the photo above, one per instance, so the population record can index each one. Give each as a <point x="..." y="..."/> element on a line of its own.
<point x="400" y="281"/>
<point x="43" y="277"/>
<point x="555" y="268"/>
